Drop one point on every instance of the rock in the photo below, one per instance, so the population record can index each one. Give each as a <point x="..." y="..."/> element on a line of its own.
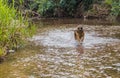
<point x="11" y="51"/>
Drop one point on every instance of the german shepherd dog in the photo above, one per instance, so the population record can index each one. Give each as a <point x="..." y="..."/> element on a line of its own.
<point x="79" y="34"/>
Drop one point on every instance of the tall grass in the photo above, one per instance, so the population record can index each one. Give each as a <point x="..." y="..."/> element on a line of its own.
<point x="14" y="29"/>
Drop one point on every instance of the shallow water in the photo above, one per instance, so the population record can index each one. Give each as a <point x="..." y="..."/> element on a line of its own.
<point x="65" y="38"/>
<point x="55" y="54"/>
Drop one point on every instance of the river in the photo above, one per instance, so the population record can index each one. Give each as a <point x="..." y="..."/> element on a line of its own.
<point x="53" y="52"/>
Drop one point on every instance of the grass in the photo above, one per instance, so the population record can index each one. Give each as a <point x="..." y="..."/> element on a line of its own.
<point x="14" y="29"/>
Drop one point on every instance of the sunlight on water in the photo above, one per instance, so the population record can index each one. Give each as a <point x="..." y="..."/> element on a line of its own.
<point x="64" y="55"/>
<point x="65" y="38"/>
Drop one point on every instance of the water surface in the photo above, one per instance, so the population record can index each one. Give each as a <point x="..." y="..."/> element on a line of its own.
<point x="55" y="54"/>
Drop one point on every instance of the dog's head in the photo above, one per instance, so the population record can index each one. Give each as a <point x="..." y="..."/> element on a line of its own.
<point x="80" y="28"/>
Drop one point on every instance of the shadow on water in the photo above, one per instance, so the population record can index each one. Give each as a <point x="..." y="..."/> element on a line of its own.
<point x="76" y="21"/>
<point x="55" y="54"/>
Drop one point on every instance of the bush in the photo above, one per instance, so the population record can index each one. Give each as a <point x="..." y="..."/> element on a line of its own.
<point x="87" y="4"/>
<point x="42" y="6"/>
<point x="115" y="6"/>
<point x="14" y="29"/>
<point x="65" y="7"/>
<point x="69" y="6"/>
<point x="51" y="8"/>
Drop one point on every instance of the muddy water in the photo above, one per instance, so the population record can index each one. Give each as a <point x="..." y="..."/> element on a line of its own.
<point x="53" y="52"/>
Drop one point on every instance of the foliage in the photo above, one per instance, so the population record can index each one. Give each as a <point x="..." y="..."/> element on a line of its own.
<point x="115" y="6"/>
<point x="109" y="2"/>
<point x="1" y="52"/>
<point x="68" y="5"/>
<point x="65" y="7"/>
<point x="87" y="3"/>
<point x="13" y="27"/>
<point x="47" y="7"/>
<point x="19" y="4"/>
<point x="42" y="6"/>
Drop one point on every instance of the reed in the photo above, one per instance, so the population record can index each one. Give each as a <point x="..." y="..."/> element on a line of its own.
<point x="14" y="28"/>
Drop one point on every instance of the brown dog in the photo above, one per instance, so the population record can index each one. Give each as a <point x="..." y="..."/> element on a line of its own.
<point x="79" y="34"/>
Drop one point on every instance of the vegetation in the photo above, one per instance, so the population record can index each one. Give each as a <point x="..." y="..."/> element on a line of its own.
<point x="115" y="6"/>
<point x="54" y="8"/>
<point x="68" y="8"/>
<point x="14" y="29"/>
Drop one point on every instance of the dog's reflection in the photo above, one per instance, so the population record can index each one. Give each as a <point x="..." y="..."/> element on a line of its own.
<point x="80" y="49"/>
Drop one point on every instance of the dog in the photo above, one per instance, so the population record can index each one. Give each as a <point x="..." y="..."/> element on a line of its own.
<point x="79" y="34"/>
